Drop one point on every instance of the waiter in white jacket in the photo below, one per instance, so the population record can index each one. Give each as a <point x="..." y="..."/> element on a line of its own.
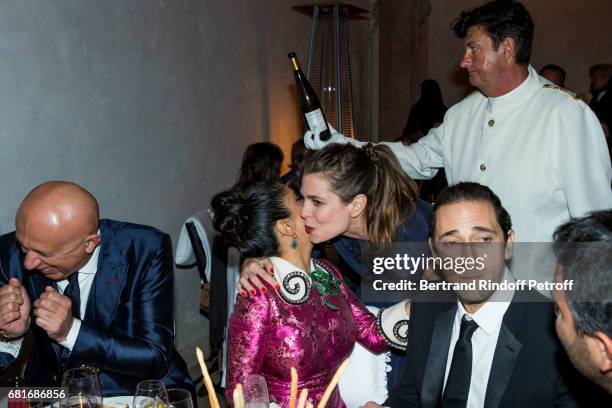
<point x="537" y="146"/>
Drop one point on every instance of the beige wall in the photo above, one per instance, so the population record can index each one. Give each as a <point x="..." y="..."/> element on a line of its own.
<point x="571" y="33"/>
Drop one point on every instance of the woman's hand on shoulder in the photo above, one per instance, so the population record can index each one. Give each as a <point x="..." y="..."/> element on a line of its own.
<point x="256" y="271"/>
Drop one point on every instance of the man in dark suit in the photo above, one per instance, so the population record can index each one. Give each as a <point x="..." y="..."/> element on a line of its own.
<point x="93" y="292"/>
<point x="601" y="103"/>
<point x="483" y="348"/>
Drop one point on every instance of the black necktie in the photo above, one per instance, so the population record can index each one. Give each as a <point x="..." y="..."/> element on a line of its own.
<point x="74" y="293"/>
<point x="458" y="381"/>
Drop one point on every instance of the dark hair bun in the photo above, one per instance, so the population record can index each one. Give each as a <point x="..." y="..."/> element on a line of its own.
<point x="246" y="219"/>
<point x="229" y="216"/>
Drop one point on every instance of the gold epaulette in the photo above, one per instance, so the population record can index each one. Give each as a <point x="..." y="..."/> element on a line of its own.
<point x="558" y="88"/>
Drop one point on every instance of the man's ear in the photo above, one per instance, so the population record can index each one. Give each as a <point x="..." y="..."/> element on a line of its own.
<point x="91" y="242"/>
<point x="507" y="47"/>
<point x="431" y="247"/>
<point x="285" y="227"/>
<point x="509" y="246"/>
<point x="358" y="205"/>
<point x="604" y="362"/>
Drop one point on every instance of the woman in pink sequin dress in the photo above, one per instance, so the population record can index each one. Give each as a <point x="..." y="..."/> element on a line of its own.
<point x="310" y="321"/>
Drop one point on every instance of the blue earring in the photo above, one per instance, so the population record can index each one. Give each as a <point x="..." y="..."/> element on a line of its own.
<point x="294" y="243"/>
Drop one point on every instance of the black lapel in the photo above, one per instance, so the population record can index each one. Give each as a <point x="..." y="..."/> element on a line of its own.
<point x="506" y="352"/>
<point x="433" y="378"/>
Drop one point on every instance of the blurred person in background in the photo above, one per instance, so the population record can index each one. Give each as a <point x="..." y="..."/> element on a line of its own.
<point x="298" y="155"/>
<point x="601" y="101"/>
<point x="428" y="112"/>
<point x="554" y="74"/>
<point x="260" y="161"/>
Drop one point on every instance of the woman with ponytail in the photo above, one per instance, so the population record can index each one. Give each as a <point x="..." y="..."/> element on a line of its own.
<point x="354" y="196"/>
<point x="361" y="194"/>
<point x="308" y="320"/>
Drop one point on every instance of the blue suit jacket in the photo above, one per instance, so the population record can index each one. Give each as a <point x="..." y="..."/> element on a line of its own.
<point x="128" y="328"/>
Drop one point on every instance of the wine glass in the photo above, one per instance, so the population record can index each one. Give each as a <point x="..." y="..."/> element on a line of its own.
<point x="255" y="391"/>
<point x="150" y="394"/>
<point x="178" y="398"/>
<point x="83" y="388"/>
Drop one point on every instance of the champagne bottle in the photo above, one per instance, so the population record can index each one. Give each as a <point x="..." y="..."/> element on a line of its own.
<point x="311" y="107"/>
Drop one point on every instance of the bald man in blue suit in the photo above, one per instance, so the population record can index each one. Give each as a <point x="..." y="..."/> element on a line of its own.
<point x="92" y="292"/>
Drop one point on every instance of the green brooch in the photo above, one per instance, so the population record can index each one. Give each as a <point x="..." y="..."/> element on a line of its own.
<point x="325" y="283"/>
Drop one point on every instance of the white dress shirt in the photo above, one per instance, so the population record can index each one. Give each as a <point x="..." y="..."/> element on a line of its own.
<point x="86" y="278"/>
<point x="601" y="94"/>
<point x="484" y="341"/>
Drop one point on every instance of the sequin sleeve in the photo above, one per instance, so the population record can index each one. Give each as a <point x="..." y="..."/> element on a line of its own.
<point x="365" y="322"/>
<point x="248" y="326"/>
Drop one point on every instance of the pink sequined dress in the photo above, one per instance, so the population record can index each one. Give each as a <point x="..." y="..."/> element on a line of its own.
<point x="268" y="335"/>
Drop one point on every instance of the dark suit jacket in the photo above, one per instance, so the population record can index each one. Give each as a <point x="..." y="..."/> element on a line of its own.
<point x="128" y="328"/>
<point x="603" y="106"/>
<point x="525" y="371"/>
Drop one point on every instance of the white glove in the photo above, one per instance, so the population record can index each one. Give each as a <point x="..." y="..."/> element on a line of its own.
<point x="313" y="141"/>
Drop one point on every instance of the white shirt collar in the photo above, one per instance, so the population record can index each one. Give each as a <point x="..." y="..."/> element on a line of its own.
<point x="601" y="94"/>
<point x="283" y="267"/>
<point x="294" y="282"/>
<point x="517" y="95"/>
<point x="491" y="314"/>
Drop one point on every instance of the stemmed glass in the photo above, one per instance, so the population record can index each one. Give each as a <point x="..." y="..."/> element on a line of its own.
<point x="255" y="391"/>
<point x="150" y="394"/>
<point x="178" y="398"/>
<point x="83" y="388"/>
